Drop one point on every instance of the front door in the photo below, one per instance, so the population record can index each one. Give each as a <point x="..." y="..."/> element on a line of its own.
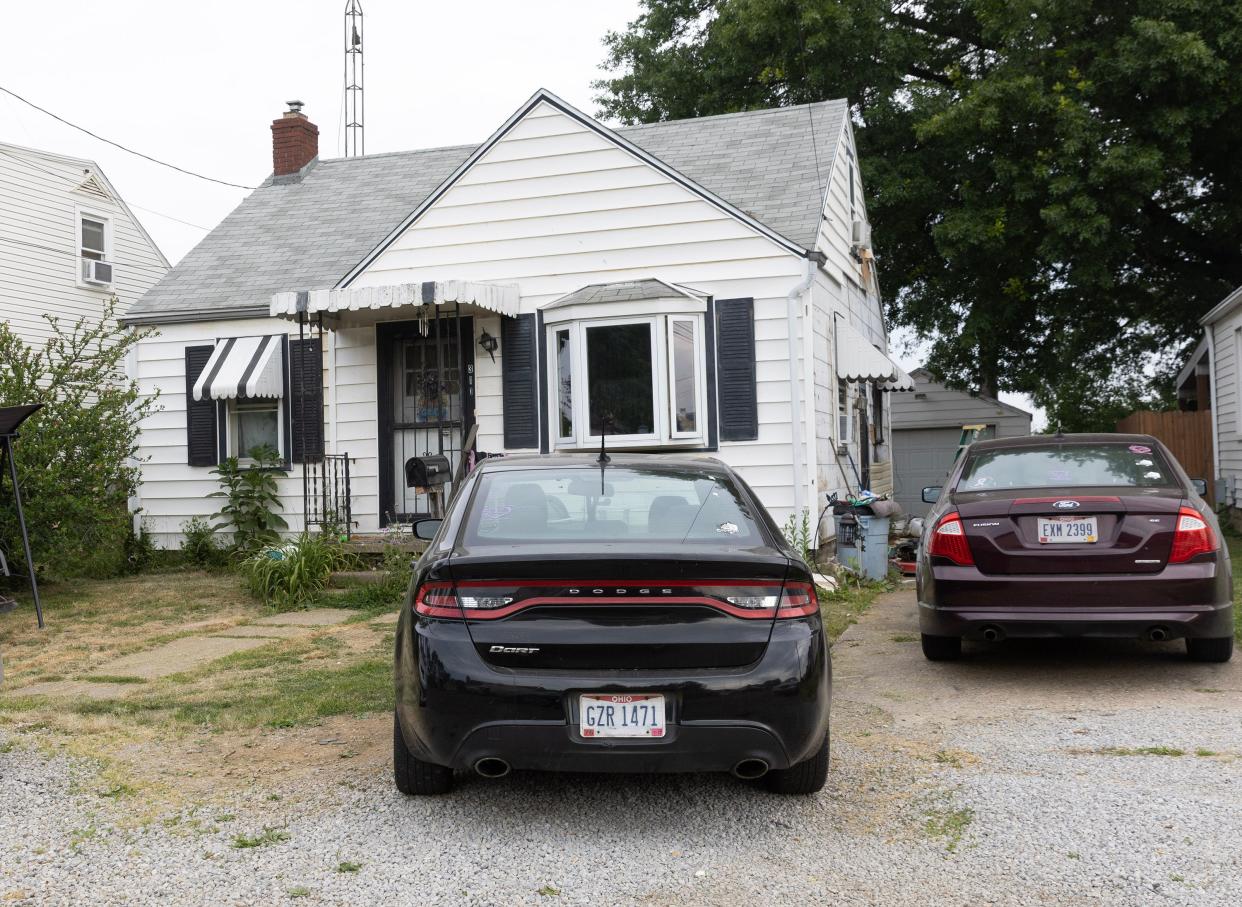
<point x="426" y="400"/>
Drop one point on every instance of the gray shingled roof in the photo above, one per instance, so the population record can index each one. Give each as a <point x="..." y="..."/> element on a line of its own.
<point x="288" y="236"/>
<point x="621" y="291"/>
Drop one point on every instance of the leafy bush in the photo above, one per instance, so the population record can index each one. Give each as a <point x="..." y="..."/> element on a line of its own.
<point x="250" y="499"/>
<point x="291" y="574"/>
<point x="76" y="456"/>
<point x="200" y="547"/>
<point x="139" y="549"/>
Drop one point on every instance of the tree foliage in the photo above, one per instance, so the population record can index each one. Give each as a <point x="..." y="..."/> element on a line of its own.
<point x="76" y="457"/>
<point x="1056" y="185"/>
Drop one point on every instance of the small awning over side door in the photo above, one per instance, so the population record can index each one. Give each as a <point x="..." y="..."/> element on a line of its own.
<point x="246" y="367"/>
<point x="859" y="360"/>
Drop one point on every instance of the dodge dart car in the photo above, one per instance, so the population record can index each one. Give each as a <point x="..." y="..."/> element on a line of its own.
<point x="641" y="615"/>
<point x="1099" y="535"/>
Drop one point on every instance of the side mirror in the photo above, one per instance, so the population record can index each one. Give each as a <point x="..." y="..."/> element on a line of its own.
<point x="426" y="529"/>
<point x="1200" y="486"/>
<point x="931" y="493"/>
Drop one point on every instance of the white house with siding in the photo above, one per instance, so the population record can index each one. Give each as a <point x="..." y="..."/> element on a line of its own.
<point x="701" y="285"/>
<point x="1220" y="354"/>
<point x="68" y="242"/>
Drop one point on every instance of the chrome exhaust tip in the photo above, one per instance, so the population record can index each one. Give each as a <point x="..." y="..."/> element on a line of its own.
<point x="492" y="767"/>
<point x="991" y="634"/>
<point x="1157" y="634"/>
<point x="750" y="769"/>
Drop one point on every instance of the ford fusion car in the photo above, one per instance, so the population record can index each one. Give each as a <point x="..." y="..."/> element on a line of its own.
<point x="640" y="616"/>
<point x="1098" y="535"/>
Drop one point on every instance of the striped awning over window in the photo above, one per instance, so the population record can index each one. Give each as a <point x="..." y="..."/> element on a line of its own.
<point x="243" y="367"/>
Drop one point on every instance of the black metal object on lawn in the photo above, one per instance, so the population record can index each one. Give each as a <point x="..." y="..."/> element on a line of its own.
<point x="10" y="418"/>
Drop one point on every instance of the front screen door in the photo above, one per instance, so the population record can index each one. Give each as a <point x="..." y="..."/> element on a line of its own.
<point x="426" y="408"/>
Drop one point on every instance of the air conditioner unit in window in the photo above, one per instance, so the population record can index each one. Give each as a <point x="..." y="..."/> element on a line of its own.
<point x="96" y="271"/>
<point x="860" y="235"/>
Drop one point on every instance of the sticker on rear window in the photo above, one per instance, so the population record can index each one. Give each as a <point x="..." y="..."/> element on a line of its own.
<point x="1151" y="475"/>
<point x="1139" y="448"/>
<point x="1144" y="463"/>
<point x="727" y="528"/>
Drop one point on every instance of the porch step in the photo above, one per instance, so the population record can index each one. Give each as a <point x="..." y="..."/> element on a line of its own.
<point x="378" y="543"/>
<point x="346" y="578"/>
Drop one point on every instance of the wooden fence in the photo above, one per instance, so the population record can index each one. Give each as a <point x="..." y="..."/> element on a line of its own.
<point x="1187" y="434"/>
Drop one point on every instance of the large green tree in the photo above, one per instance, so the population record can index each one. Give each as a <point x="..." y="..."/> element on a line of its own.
<point x="1056" y="185"/>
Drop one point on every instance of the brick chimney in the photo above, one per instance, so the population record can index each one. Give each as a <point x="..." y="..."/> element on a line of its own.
<point x="295" y="141"/>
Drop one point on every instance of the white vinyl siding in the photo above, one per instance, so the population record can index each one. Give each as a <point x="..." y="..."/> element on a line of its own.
<point x="40" y="245"/>
<point x="553" y="207"/>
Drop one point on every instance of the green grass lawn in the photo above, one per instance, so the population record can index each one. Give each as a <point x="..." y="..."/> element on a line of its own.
<point x="1235" y="560"/>
<point x="842" y="608"/>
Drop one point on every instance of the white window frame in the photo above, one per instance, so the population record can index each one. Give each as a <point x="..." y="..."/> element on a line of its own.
<point x="700" y="378"/>
<point x="845" y="414"/>
<point x="232" y="410"/>
<point x="662" y="392"/>
<point x="81" y="213"/>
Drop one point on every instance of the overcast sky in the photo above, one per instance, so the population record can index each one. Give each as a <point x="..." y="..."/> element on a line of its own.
<point x="198" y="84"/>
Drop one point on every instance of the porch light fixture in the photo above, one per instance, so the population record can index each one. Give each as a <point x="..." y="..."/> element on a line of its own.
<point x="489" y="344"/>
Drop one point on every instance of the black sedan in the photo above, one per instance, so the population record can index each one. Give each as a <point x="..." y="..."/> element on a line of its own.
<point x="1099" y="535"/>
<point x="645" y="615"/>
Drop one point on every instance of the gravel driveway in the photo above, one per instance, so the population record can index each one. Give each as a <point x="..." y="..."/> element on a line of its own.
<point x="1025" y="774"/>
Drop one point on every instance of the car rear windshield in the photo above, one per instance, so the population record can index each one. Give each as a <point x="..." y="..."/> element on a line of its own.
<point x="1061" y="465"/>
<point x="615" y="503"/>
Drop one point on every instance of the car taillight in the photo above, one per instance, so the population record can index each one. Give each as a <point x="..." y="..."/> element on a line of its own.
<point x="949" y="540"/>
<point x="797" y="600"/>
<point x="1192" y="537"/>
<point x="437" y="600"/>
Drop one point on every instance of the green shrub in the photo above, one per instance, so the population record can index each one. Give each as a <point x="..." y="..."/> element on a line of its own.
<point x="139" y="549"/>
<point x="251" y="499"/>
<point x="199" y="546"/>
<point x="76" y="456"/>
<point x="291" y="574"/>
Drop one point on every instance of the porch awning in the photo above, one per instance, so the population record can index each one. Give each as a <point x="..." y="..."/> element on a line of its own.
<point x="243" y="367"/>
<point x="859" y="360"/>
<point x="500" y="298"/>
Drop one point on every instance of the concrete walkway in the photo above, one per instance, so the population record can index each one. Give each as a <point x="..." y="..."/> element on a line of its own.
<point x="187" y="653"/>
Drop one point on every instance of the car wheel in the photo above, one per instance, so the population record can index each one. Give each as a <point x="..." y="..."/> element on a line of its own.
<point x="414" y="776"/>
<point x="942" y="648"/>
<point x="1217" y="649"/>
<point x="805" y="777"/>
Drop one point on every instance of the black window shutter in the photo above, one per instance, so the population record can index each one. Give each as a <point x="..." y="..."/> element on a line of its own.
<point x="735" y="370"/>
<point x="200" y="415"/>
<point x="306" y="399"/>
<point x="519" y="381"/>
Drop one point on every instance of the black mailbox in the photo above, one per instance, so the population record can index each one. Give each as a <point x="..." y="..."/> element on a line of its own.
<point x="433" y="469"/>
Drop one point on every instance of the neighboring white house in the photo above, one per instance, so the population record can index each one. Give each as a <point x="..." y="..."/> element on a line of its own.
<point x="927" y="431"/>
<point x="704" y="285"/>
<point x="1220" y="355"/>
<point x="67" y="243"/>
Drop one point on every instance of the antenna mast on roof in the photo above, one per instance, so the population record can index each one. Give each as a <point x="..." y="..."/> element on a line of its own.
<point x="355" y="144"/>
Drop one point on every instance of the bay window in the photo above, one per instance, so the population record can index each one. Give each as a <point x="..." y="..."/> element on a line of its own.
<point x="639" y="380"/>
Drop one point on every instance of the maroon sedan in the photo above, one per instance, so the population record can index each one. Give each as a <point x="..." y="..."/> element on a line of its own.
<point x="1097" y="535"/>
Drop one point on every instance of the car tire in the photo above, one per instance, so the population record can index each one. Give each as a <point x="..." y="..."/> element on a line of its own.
<point x="941" y="648"/>
<point x="1216" y="649"/>
<point x="801" y="778"/>
<point x="415" y="777"/>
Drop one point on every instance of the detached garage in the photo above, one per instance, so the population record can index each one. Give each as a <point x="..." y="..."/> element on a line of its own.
<point x="927" y="426"/>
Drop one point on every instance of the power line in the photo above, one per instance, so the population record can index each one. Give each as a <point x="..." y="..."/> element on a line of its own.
<point x="76" y="185"/>
<point x="148" y="157"/>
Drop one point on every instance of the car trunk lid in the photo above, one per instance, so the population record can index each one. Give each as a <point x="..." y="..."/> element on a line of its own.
<point x="620" y="610"/>
<point x="1098" y="531"/>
